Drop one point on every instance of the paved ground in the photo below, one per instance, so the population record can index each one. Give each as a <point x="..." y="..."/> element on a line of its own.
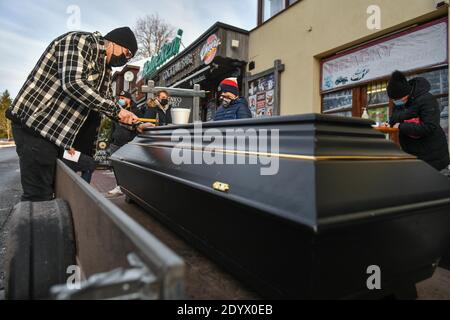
<point x="436" y="288"/>
<point x="10" y="192"/>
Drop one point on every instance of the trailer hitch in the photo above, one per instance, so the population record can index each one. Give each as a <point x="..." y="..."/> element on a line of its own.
<point x="135" y="283"/>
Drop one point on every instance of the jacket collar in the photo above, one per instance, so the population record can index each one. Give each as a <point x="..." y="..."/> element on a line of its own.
<point x="164" y="109"/>
<point x="100" y="41"/>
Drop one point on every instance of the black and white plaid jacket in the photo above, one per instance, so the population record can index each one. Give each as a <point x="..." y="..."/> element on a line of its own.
<point x="70" y="80"/>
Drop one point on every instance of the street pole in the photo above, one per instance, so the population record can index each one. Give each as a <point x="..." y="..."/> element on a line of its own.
<point x="196" y="106"/>
<point x="8" y="129"/>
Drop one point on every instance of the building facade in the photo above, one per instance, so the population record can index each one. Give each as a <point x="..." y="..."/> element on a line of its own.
<point x="335" y="57"/>
<point x="220" y="52"/>
<point x="126" y="79"/>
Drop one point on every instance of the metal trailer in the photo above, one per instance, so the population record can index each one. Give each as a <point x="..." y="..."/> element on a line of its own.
<point x="83" y="236"/>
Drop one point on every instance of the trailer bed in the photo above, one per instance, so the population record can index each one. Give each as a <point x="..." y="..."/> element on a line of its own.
<point x="205" y="280"/>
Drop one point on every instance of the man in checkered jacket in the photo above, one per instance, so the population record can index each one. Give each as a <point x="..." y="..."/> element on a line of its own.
<point x="71" y="80"/>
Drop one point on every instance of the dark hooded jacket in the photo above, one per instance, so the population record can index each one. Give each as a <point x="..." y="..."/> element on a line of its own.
<point x="420" y="132"/>
<point x="121" y="135"/>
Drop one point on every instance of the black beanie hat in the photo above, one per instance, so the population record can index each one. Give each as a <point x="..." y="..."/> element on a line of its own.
<point x="125" y="94"/>
<point x="398" y="86"/>
<point x="123" y="37"/>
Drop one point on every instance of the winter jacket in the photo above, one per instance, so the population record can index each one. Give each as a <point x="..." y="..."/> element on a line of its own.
<point x="121" y="135"/>
<point x="238" y="109"/>
<point x="86" y="140"/>
<point x="420" y="132"/>
<point x="70" y="80"/>
<point x="153" y="111"/>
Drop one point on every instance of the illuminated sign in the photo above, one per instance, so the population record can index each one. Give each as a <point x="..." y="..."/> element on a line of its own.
<point x="209" y="50"/>
<point x="167" y="51"/>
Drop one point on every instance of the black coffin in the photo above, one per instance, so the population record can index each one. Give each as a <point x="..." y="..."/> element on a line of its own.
<point x="344" y="199"/>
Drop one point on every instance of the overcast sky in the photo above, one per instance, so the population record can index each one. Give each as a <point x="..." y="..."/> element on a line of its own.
<point x="28" y="26"/>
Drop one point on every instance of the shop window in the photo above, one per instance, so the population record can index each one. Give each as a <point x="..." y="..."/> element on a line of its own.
<point x="378" y="102"/>
<point x="351" y="102"/>
<point x="439" y="88"/>
<point x="438" y="80"/>
<point x="338" y="103"/>
<point x="443" y="103"/>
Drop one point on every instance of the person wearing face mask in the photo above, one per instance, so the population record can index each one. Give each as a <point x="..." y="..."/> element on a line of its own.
<point x="232" y="107"/>
<point x="159" y="108"/>
<point x="71" y="80"/>
<point x="416" y="114"/>
<point x="122" y="135"/>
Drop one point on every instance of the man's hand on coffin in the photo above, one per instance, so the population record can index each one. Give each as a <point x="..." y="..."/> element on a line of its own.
<point x="141" y="128"/>
<point x="127" y="117"/>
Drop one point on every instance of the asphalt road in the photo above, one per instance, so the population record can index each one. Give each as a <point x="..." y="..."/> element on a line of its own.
<point x="10" y="191"/>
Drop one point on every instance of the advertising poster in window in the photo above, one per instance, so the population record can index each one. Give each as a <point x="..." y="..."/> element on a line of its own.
<point x="262" y="96"/>
<point x="423" y="47"/>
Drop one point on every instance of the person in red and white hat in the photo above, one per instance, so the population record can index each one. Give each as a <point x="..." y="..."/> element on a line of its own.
<point x="232" y="106"/>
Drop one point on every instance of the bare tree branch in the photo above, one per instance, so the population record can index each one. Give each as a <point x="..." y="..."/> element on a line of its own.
<point x="152" y="32"/>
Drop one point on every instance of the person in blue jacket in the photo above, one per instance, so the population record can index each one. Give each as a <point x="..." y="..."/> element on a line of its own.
<point x="232" y="106"/>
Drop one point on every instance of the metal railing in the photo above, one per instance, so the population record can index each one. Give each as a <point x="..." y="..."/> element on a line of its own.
<point x="116" y="254"/>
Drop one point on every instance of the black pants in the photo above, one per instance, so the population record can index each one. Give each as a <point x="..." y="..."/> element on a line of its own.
<point x="86" y="165"/>
<point x="37" y="158"/>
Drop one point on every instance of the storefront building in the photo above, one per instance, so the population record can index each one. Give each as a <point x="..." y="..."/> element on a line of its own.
<point x="219" y="53"/>
<point x="326" y="57"/>
<point x="126" y="79"/>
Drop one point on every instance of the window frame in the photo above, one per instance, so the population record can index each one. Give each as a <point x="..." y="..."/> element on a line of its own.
<point x="360" y="93"/>
<point x="260" y="16"/>
<point x="341" y="110"/>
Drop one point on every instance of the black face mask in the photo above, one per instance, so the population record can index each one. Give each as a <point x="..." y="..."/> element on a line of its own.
<point x="164" y="102"/>
<point x="118" y="61"/>
<point x="225" y="102"/>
